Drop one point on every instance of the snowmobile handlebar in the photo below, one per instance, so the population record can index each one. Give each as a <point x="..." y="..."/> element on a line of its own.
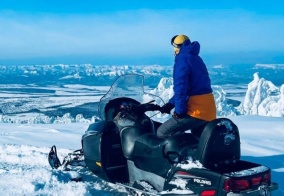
<point x="140" y="109"/>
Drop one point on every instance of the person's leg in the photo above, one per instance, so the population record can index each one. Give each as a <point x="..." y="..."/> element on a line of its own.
<point x="156" y="125"/>
<point x="197" y="131"/>
<point x="173" y="125"/>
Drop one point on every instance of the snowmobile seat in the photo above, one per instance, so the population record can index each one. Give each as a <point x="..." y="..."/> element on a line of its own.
<point x="182" y="144"/>
<point x="218" y="134"/>
<point x="150" y="146"/>
<point x="129" y="135"/>
<point x="130" y="129"/>
<point x="150" y="141"/>
<point x="148" y="154"/>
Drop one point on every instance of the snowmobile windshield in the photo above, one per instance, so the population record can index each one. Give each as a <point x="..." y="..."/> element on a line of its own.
<point x="128" y="86"/>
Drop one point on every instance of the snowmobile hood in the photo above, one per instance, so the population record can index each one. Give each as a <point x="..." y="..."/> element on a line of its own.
<point x="190" y="47"/>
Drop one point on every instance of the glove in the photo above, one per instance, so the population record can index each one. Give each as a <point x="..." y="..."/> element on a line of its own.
<point x="139" y="109"/>
<point x="179" y="116"/>
<point x="149" y="107"/>
<point x="167" y="108"/>
<point x="136" y="109"/>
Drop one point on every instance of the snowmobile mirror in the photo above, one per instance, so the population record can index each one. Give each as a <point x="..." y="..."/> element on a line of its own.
<point x="173" y="157"/>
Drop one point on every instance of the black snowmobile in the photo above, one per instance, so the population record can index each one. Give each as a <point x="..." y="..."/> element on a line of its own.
<point x="123" y="148"/>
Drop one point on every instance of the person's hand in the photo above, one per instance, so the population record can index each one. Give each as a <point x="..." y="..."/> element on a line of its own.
<point x="149" y="107"/>
<point x="179" y="116"/>
<point x="139" y="109"/>
<point x="167" y="108"/>
<point x="136" y="109"/>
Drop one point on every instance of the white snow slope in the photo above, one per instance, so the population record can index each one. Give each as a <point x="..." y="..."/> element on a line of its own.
<point x="24" y="169"/>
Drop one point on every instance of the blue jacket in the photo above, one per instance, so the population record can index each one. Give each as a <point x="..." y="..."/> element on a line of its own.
<point x="190" y="76"/>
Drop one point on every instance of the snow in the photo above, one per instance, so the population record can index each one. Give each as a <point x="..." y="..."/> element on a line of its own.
<point x="261" y="98"/>
<point x="25" y="142"/>
<point x="179" y="183"/>
<point x="24" y="168"/>
<point x="190" y="164"/>
<point x="248" y="172"/>
<point x="270" y="66"/>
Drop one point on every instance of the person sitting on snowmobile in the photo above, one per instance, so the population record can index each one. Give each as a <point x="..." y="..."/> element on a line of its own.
<point x="193" y="99"/>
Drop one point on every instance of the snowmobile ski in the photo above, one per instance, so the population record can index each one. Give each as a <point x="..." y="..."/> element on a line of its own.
<point x="69" y="164"/>
<point x="53" y="159"/>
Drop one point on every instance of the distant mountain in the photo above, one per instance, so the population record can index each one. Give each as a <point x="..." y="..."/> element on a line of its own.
<point x="66" y="91"/>
<point x="89" y="74"/>
<point x="83" y="74"/>
<point x="261" y="98"/>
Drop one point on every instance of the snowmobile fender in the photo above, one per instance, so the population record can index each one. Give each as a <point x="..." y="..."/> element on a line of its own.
<point x="219" y="135"/>
<point x="194" y="178"/>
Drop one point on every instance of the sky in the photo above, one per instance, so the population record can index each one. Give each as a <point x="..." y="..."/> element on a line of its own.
<point x="139" y="32"/>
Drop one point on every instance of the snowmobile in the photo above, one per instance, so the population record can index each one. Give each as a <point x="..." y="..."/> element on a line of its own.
<point x="123" y="148"/>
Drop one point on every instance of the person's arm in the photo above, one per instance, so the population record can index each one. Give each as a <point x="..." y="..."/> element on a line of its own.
<point x="172" y="100"/>
<point x="181" y="77"/>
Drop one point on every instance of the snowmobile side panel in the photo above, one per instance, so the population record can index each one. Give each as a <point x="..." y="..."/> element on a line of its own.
<point x="194" y="179"/>
<point x="136" y="174"/>
<point x="91" y="143"/>
<point x="103" y="153"/>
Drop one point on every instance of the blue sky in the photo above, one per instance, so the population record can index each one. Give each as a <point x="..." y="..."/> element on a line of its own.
<point x="139" y="32"/>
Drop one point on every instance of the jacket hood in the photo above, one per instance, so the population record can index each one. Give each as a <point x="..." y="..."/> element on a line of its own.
<point x="190" y="47"/>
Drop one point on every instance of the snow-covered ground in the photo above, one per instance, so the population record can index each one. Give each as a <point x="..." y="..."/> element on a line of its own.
<point x="26" y="137"/>
<point x="24" y="168"/>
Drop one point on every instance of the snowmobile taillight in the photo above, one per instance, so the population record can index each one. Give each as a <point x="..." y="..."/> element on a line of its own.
<point x="208" y="193"/>
<point x="236" y="185"/>
<point x="182" y="174"/>
<point x="256" y="181"/>
<point x="266" y="178"/>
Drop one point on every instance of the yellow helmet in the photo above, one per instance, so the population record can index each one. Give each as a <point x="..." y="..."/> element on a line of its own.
<point x="178" y="40"/>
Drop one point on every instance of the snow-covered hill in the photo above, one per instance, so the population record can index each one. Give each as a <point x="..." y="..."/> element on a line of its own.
<point x="34" y="117"/>
<point x="262" y="98"/>
<point x="78" y="103"/>
<point x="70" y="74"/>
<point x="88" y="74"/>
